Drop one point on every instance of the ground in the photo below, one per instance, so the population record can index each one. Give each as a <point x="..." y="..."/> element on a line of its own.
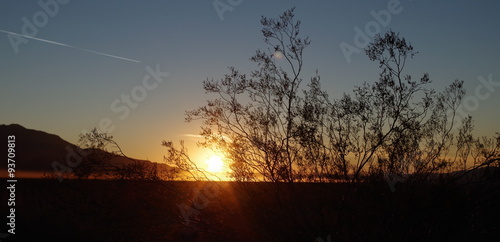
<point x="111" y="210"/>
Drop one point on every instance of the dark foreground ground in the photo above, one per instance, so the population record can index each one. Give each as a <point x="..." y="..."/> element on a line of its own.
<point x="107" y="210"/>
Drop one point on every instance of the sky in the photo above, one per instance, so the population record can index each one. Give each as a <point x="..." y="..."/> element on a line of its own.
<point x="137" y="66"/>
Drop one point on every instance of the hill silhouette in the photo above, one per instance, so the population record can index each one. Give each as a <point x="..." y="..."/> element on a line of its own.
<point x="36" y="150"/>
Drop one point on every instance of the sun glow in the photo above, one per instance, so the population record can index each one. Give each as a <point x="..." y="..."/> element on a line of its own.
<point x="215" y="164"/>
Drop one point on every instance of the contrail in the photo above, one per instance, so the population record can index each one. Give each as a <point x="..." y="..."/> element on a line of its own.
<point x="74" y="47"/>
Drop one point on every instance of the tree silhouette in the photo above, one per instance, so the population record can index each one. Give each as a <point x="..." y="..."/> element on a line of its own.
<point x="255" y="119"/>
<point x="98" y="162"/>
<point x="271" y="128"/>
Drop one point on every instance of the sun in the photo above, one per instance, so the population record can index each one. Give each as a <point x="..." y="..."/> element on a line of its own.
<point x="215" y="164"/>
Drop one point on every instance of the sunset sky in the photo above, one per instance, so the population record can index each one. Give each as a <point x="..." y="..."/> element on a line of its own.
<point x="88" y="56"/>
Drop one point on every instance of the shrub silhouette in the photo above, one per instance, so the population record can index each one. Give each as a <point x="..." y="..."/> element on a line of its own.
<point x="270" y="126"/>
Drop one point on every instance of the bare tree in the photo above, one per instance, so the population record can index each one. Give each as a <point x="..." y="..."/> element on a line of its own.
<point x="272" y="129"/>
<point x="393" y="125"/>
<point x="254" y="119"/>
<point x="99" y="162"/>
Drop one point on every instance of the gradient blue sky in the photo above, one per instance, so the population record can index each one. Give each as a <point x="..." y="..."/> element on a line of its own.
<point x="63" y="90"/>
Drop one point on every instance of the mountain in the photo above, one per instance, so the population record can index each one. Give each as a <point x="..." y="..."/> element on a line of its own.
<point x="36" y="150"/>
